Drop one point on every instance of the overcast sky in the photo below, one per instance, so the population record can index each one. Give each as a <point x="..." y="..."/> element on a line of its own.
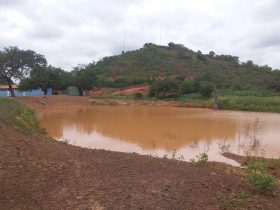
<point x="71" y="32"/>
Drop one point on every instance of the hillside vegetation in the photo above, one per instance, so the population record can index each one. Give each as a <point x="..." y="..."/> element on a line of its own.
<point x="170" y="72"/>
<point x="154" y="62"/>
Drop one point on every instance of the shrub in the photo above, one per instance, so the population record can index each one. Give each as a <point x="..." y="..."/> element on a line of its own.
<point x="206" y="90"/>
<point x="187" y="87"/>
<point x="201" y="159"/>
<point x="162" y="88"/>
<point x="257" y="175"/>
<point x="138" y="96"/>
<point x="224" y="202"/>
<point x="242" y="197"/>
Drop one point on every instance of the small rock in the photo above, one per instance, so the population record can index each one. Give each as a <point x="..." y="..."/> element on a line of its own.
<point x="79" y="197"/>
<point x="213" y="173"/>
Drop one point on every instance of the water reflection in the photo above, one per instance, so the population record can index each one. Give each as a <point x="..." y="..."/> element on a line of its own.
<point x="161" y="130"/>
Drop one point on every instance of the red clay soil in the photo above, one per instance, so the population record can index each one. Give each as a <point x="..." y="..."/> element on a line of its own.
<point x="136" y="89"/>
<point x="44" y="102"/>
<point x="37" y="172"/>
<point x="144" y="89"/>
<point x="40" y="103"/>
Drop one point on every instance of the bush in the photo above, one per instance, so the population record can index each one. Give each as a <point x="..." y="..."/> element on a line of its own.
<point x="163" y="88"/>
<point x="187" y="87"/>
<point x="138" y="96"/>
<point x="206" y="90"/>
<point x="201" y="159"/>
<point x="122" y="82"/>
<point x="256" y="175"/>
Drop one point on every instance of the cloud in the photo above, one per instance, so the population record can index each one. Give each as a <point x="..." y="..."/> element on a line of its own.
<point x="73" y="32"/>
<point x="9" y="3"/>
<point x="269" y="41"/>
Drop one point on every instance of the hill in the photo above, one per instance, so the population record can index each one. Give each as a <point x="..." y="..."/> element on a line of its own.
<point x="154" y="62"/>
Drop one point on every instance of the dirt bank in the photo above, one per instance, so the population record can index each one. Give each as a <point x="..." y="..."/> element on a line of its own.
<point x="37" y="172"/>
<point x="130" y="102"/>
<point x="39" y="103"/>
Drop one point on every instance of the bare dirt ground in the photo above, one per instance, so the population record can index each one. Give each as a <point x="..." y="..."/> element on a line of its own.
<point x="37" y="172"/>
<point x="130" y="102"/>
<point x="40" y="103"/>
<point x="144" y="89"/>
<point x="45" y="102"/>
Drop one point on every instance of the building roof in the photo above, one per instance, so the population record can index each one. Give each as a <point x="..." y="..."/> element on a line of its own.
<point x="7" y="86"/>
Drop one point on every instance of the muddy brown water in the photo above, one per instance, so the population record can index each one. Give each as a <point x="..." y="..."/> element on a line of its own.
<point x="182" y="133"/>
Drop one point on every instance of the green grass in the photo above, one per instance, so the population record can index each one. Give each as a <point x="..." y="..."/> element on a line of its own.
<point x="195" y="98"/>
<point x="251" y="103"/>
<point x="237" y="201"/>
<point x="249" y="92"/>
<point x="15" y="114"/>
<point x="245" y="103"/>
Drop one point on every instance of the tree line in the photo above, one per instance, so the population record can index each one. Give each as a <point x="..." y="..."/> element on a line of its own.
<point x="174" y="87"/>
<point x="196" y="72"/>
<point x="32" y="71"/>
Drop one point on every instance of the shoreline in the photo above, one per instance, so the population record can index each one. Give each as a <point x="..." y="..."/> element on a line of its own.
<point x="39" y="103"/>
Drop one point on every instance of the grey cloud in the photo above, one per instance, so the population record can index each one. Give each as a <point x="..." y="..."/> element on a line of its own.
<point x="267" y="10"/>
<point x="270" y="41"/>
<point x="45" y="31"/>
<point x="71" y="32"/>
<point x="8" y="3"/>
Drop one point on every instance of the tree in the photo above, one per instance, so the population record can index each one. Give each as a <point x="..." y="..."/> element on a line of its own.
<point x="187" y="87"/>
<point x="171" y="45"/>
<point x="200" y="56"/>
<point x="249" y="64"/>
<point x="275" y="84"/>
<point x="228" y="58"/>
<point x="265" y="68"/>
<point x="206" y="89"/>
<point x="16" y="64"/>
<point x="148" y="45"/>
<point x="46" y="78"/>
<point x="162" y="87"/>
<point x="2" y="81"/>
<point x="84" y="78"/>
<point x="63" y="79"/>
<point x="211" y="54"/>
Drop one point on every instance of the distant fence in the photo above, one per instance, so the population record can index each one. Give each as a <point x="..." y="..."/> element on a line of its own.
<point x="38" y="92"/>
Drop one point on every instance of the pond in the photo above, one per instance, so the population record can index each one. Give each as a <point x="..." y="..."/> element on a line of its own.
<point x="183" y="133"/>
